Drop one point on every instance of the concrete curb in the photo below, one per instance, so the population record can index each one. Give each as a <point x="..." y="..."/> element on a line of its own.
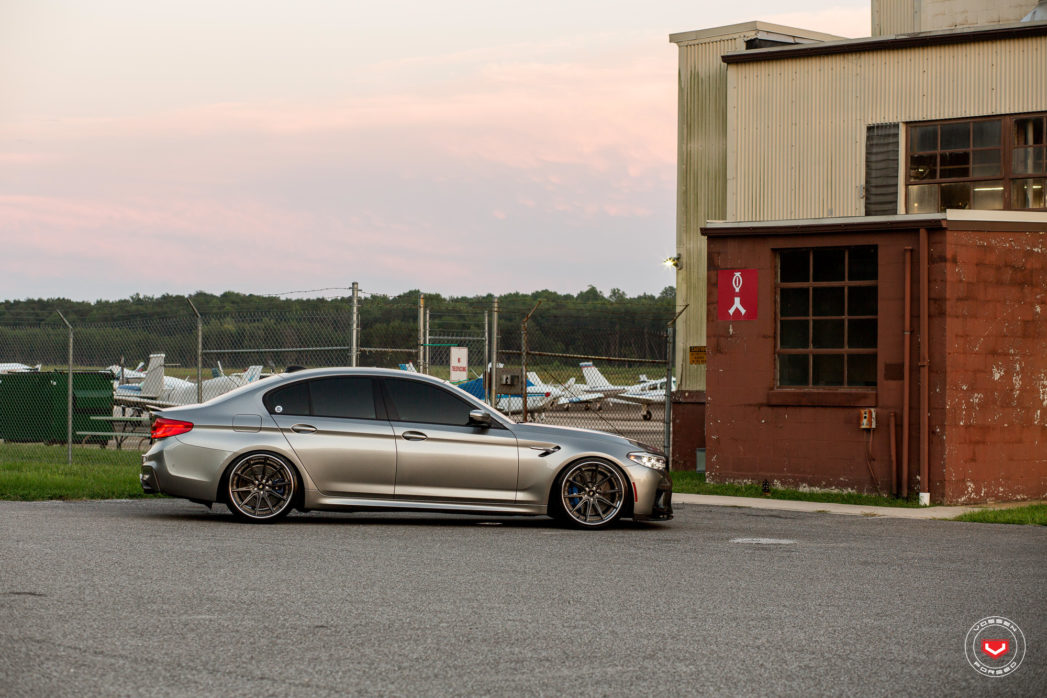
<point x="825" y="507"/>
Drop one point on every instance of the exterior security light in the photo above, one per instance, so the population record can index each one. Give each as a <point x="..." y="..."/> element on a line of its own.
<point x="673" y="262"/>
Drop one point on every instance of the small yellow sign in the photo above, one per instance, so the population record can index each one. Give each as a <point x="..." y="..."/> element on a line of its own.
<point x="697" y="356"/>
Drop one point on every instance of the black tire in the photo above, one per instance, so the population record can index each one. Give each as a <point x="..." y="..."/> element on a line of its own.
<point x="591" y="493"/>
<point x="260" y="488"/>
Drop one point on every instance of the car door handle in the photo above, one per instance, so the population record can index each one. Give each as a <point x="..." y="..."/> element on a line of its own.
<point x="303" y="428"/>
<point x="414" y="436"/>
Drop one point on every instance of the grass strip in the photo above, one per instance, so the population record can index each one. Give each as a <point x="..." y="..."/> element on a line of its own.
<point x="694" y="483"/>
<point x="1031" y="514"/>
<point x="32" y="472"/>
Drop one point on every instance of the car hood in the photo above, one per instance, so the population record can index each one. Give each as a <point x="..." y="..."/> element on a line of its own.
<point x="547" y="432"/>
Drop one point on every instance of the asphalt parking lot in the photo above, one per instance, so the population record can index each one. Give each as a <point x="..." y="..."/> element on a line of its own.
<point x="161" y="597"/>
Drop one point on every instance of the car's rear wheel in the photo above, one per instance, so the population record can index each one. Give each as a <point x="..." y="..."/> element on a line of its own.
<point x="261" y="487"/>
<point x="591" y="494"/>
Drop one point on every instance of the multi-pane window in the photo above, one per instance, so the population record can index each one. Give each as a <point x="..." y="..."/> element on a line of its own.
<point x="994" y="163"/>
<point x="827" y="317"/>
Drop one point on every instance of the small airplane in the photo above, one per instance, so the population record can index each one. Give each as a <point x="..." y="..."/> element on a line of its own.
<point x="645" y="393"/>
<point x="19" y="368"/>
<point x="157" y="390"/>
<point x="124" y="375"/>
<point x="567" y="394"/>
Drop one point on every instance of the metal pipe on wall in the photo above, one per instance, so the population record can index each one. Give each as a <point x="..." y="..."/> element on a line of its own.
<point x="925" y="364"/>
<point x="906" y="368"/>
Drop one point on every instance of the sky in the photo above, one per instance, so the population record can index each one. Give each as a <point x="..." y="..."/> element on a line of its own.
<point x="462" y="147"/>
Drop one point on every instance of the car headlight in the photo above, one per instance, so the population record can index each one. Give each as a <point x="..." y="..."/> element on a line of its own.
<point x="648" y="460"/>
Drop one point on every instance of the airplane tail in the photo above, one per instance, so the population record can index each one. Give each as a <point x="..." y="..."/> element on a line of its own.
<point x="409" y="367"/>
<point x="153" y="382"/>
<point x="593" y="377"/>
<point x="252" y="374"/>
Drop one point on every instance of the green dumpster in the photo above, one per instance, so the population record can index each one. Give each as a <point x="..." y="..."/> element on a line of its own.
<point x="33" y="405"/>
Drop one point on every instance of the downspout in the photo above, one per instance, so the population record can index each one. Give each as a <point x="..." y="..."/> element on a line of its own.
<point x="925" y="363"/>
<point x="906" y="372"/>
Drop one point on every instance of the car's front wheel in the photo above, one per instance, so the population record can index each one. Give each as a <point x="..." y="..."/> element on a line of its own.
<point x="261" y="487"/>
<point x="591" y="494"/>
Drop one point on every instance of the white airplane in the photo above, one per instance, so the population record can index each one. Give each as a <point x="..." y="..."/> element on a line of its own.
<point x="566" y="394"/>
<point x="157" y="390"/>
<point x="19" y="368"/>
<point x="645" y="393"/>
<point x="124" y="375"/>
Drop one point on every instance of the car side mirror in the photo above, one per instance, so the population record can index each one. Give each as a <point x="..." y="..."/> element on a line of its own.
<point x="480" y="418"/>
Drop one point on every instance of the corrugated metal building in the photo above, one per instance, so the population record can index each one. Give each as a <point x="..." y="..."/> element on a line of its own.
<point x="791" y="126"/>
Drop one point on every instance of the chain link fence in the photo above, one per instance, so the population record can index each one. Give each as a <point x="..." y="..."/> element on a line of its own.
<point x="67" y="384"/>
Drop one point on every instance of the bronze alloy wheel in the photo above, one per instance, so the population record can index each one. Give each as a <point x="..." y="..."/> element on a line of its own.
<point x="261" y="487"/>
<point x="592" y="494"/>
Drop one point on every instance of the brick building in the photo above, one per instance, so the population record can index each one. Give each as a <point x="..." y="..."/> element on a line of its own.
<point x="876" y="206"/>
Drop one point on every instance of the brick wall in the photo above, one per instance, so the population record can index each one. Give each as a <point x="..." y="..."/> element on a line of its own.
<point x="993" y="418"/>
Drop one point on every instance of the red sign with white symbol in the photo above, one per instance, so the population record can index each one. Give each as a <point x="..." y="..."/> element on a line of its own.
<point x="995" y="648"/>
<point x="736" y="292"/>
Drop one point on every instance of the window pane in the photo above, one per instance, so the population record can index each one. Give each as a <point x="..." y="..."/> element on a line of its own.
<point x="794" y="265"/>
<point x="924" y="138"/>
<point x="792" y="369"/>
<point x="794" y="334"/>
<point x="1028" y="193"/>
<point x="416" y="401"/>
<point x="861" y="334"/>
<point x="1028" y="131"/>
<point x="1027" y="160"/>
<point x="986" y="163"/>
<point x="922" y="198"/>
<point x="861" y="300"/>
<point x="795" y="302"/>
<point x="828" y="301"/>
<point x="827" y="369"/>
<point x="956" y="135"/>
<point x="986" y="134"/>
<point x="828" y="264"/>
<point x="294" y="399"/>
<point x="924" y="166"/>
<point x="955" y="165"/>
<point x="827" y="334"/>
<point x="987" y="195"/>
<point x="956" y="195"/>
<point x="861" y="263"/>
<point x="861" y="370"/>
<point x="348" y="398"/>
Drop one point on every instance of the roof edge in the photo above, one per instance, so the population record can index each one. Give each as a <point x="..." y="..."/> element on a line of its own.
<point x="754" y="27"/>
<point x="943" y="37"/>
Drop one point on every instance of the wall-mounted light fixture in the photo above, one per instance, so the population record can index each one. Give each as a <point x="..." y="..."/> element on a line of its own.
<point x="673" y="262"/>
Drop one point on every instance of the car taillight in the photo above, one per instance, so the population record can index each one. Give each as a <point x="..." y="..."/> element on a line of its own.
<point x="162" y="428"/>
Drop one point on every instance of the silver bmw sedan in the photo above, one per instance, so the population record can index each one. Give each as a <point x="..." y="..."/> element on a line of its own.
<point x="377" y="439"/>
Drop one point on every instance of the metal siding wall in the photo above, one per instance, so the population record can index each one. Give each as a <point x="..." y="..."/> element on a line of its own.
<point x="893" y="17"/>
<point x="701" y="186"/>
<point x="797" y="126"/>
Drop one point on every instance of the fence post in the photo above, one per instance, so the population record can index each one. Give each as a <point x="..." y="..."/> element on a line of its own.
<point x="355" y="329"/>
<point x="68" y="396"/>
<point x="670" y="350"/>
<point x="425" y="370"/>
<point x="492" y="388"/>
<point x="487" y="347"/>
<point x="199" y="352"/>
<point x="421" y="330"/>
<point x="523" y="358"/>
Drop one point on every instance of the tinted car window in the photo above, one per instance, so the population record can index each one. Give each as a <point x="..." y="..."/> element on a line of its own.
<point x="292" y="399"/>
<point x="416" y="401"/>
<point x="349" y="398"/>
